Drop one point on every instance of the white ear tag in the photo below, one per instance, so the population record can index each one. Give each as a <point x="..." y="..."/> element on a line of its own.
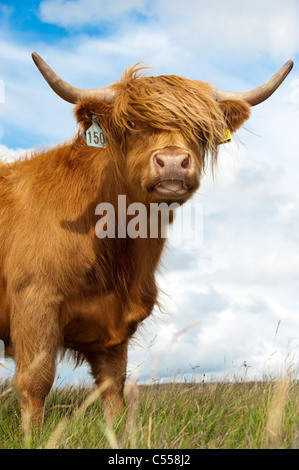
<point x="95" y="136"/>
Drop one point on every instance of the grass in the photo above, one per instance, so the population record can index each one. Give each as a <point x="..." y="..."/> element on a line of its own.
<point x="222" y="415"/>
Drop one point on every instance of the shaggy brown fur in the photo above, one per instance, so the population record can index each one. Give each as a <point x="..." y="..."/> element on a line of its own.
<point x="61" y="287"/>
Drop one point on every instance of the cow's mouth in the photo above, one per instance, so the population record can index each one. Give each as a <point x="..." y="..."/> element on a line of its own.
<point x="171" y="187"/>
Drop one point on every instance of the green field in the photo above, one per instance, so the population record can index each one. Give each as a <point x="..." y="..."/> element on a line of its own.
<point x="252" y="415"/>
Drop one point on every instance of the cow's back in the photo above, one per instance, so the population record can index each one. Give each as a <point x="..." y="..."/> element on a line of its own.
<point x="7" y="171"/>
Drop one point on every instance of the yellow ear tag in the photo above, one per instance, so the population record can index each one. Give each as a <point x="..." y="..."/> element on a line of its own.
<point x="227" y="137"/>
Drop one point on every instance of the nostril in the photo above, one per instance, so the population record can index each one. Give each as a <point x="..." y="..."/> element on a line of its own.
<point x="185" y="163"/>
<point x="160" y="162"/>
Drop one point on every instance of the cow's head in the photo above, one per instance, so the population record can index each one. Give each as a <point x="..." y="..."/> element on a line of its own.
<point x="165" y="126"/>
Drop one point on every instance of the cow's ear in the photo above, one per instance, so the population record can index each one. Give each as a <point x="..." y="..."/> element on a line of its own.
<point x="85" y="109"/>
<point x="235" y="112"/>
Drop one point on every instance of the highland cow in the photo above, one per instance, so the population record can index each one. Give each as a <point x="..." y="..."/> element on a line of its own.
<point x="62" y="287"/>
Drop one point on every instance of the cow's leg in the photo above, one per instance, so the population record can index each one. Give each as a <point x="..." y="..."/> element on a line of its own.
<point x="109" y="371"/>
<point x="35" y="336"/>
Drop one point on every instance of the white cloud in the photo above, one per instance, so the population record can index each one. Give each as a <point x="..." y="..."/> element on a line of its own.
<point x="232" y="27"/>
<point x="245" y="29"/>
<point x="86" y="12"/>
<point x="8" y="155"/>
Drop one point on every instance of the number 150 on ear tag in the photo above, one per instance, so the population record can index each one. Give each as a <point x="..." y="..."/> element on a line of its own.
<point x="95" y="136"/>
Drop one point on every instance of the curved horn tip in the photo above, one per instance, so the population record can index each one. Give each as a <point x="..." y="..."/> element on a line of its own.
<point x="289" y="64"/>
<point x="34" y="55"/>
<point x="36" y="59"/>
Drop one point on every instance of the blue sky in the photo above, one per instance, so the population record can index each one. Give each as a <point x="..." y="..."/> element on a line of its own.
<point x="29" y="26"/>
<point x="243" y="280"/>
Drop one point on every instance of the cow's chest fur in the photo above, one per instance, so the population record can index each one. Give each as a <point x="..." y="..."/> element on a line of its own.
<point x="94" y="322"/>
<point x="119" y="292"/>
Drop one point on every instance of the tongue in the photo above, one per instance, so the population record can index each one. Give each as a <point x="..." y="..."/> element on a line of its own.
<point x="172" y="185"/>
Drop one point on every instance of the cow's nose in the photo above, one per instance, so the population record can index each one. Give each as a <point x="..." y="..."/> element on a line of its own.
<point x="172" y="160"/>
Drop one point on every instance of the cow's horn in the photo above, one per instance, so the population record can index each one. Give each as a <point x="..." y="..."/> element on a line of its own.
<point x="67" y="91"/>
<point x="261" y="93"/>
